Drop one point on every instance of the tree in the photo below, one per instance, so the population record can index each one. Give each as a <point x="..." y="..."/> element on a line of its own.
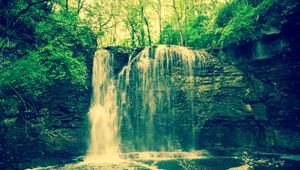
<point x="80" y="4"/>
<point x="136" y="22"/>
<point x="179" y="21"/>
<point x="102" y="16"/>
<point x="159" y="13"/>
<point x="67" y="5"/>
<point x="146" y="22"/>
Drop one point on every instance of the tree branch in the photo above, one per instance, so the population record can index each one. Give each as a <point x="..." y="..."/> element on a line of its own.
<point x="22" y="12"/>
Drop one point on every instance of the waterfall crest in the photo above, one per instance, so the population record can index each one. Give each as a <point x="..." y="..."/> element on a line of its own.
<point x="104" y="141"/>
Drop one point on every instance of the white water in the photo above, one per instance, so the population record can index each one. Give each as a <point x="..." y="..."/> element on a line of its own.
<point x="135" y="161"/>
<point x="146" y="87"/>
<point x="104" y="141"/>
<point x="144" y="98"/>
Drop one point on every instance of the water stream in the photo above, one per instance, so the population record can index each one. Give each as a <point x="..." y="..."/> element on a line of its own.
<point x="125" y="110"/>
<point x="104" y="142"/>
<point x="147" y="90"/>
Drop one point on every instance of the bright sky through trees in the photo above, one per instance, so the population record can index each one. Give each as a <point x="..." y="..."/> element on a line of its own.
<point x="140" y="22"/>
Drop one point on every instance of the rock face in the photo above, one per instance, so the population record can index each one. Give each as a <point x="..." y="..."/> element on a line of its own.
<point x="121" y="56"/>
<point x="229" y="111"/>
<point x="57" y="133"/>
<point x="238" y="103"/>
<point x="272" y="66"/>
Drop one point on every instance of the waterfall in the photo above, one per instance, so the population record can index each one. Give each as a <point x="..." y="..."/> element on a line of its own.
<point x="150" y="103"/>
<point x="104" y="142"/>
<point x="147" y="93"/>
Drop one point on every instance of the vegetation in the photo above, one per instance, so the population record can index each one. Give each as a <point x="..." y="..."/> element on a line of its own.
<point x="46" y="45"/>
<point x="43" y="46"/>
<point x="199" y="24"/>
<point x="232" y="22"/>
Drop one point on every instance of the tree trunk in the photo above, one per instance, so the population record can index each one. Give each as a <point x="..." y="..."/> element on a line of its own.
<point x="146" y="23"/>
<point x="131" y="28"/>
<point x="159" y="19"/>
<point x="148" y="30"/>
<point x="141" y="13"/>
<point x="67" y="5"/>
<point x="186" y="9"/>
<point x="178" y="22"/>
<point x="78" y="6"/>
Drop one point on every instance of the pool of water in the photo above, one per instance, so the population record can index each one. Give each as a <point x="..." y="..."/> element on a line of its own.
<point x="201" y="160"/>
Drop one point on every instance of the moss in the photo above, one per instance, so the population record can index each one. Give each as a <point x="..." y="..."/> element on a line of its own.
<point x="9" y="121"/>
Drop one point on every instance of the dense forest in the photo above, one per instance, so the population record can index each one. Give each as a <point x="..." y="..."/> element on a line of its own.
<point x="47" y="46"/>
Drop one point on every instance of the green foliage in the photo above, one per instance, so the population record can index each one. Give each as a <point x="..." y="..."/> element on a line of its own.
<point x="10" y="106"/>
<point x="234" y="22"/>
<point x="51" y="49"/>
<point x="224" y="15"/>
<point x="201" y="34"/>
<point x="241" y="27"/>
<point x="169" y="35"/>
<point x="250" y="21"/>
<point x="26" y="75"/>
<point x="59" y="63"/>
<point x="53" y="61"/>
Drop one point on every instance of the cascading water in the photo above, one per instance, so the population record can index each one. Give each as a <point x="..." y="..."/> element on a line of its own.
<point x="147" y="94"/>
<point x="144" y="97"/>
<point x="152" y="106"/>
<point x="104" y="142"/>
